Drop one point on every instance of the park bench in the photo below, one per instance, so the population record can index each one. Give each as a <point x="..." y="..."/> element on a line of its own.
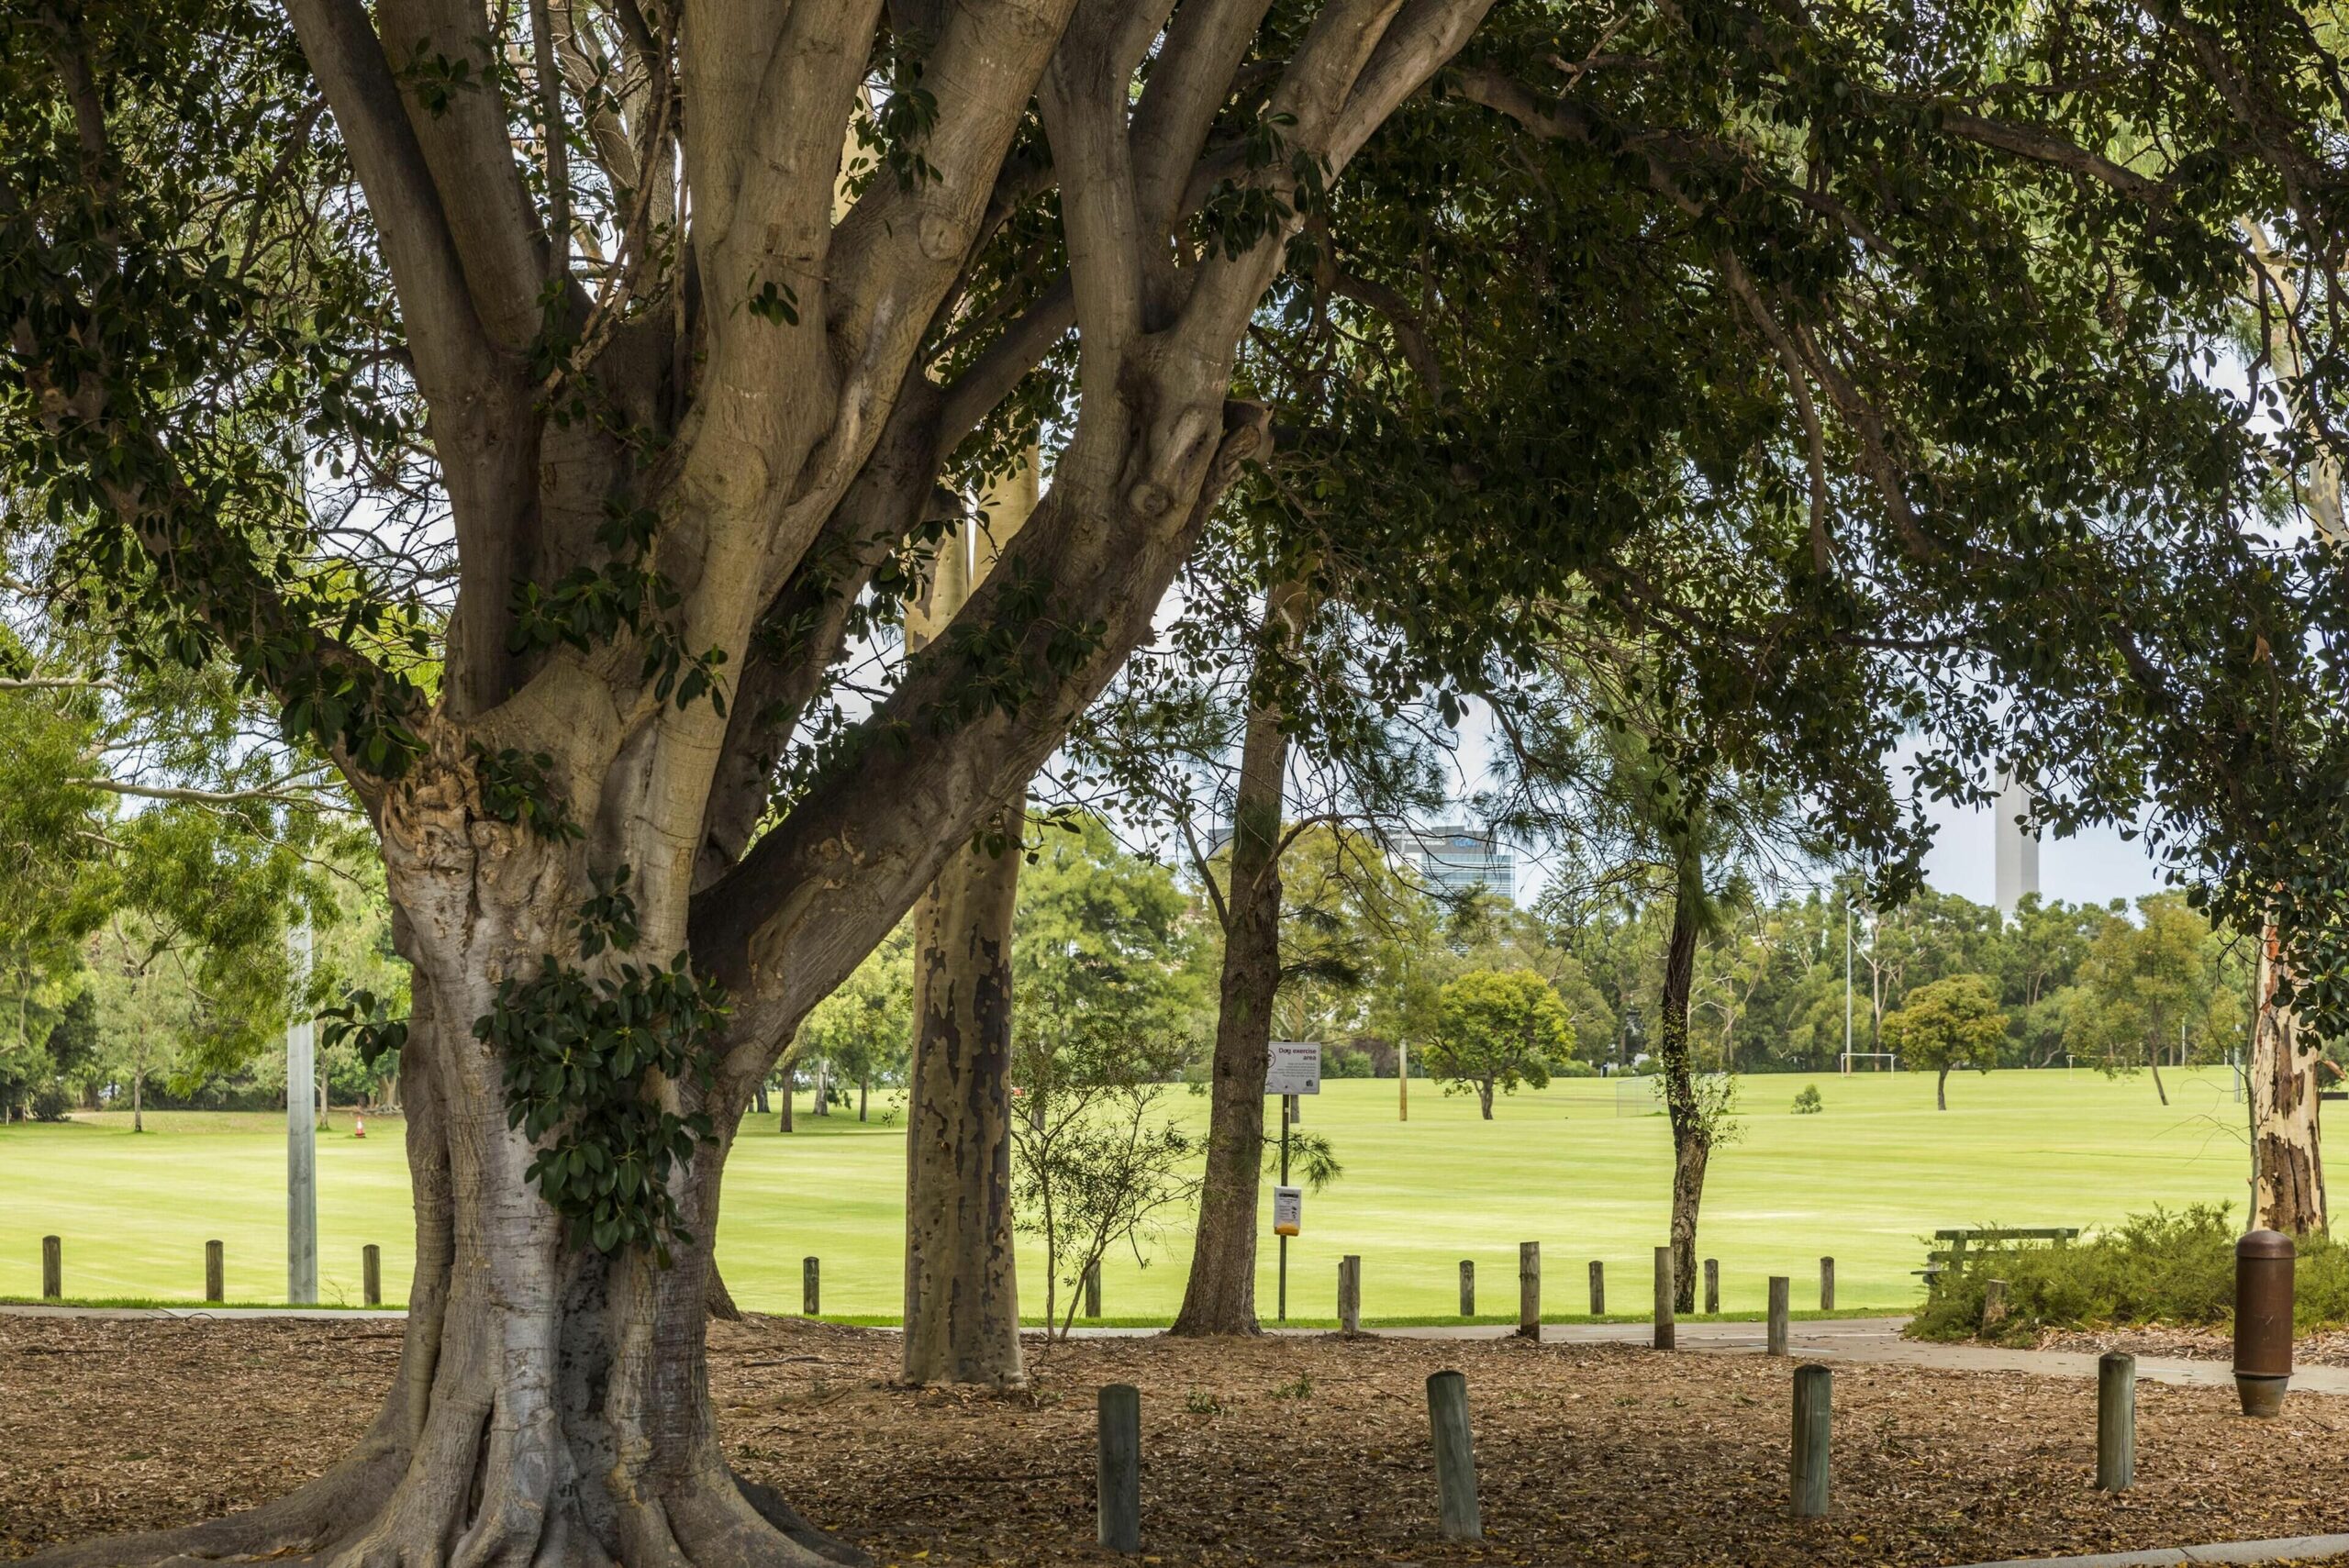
<point x="1940" y="1260"/>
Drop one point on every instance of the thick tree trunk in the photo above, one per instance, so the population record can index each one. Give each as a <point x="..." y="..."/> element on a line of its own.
<point x="1485" y="1098"/>
<point x="551" y="1403"/>
<point x="1692" y="1141"/>
<point x="759" y="1099"/>
<point x="2288" y="1190"/>
<point x="962" y="1322"/>
<point x="790" y="1092"/>
<point x="1221" y="1296"/>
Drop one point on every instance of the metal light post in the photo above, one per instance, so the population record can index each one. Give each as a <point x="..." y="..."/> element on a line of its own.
<point x="301" y="1136"/>
<point x="1847" y="980"/>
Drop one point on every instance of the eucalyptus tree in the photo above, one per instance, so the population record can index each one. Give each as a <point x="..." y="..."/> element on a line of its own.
<point x="526" y="398"/>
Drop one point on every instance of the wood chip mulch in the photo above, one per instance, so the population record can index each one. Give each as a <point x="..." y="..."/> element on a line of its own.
<point x="1260" y="1452"/>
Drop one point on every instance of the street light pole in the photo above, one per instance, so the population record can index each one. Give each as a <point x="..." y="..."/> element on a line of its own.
<point x="1847" y="980"/>
<point x="301" y="1136"/>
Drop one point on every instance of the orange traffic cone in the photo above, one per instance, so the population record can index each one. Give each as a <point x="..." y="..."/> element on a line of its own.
<point x="358" y="1126"/>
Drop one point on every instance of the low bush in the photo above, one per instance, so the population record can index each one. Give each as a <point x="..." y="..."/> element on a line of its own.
<point x="2173" y="1267"/>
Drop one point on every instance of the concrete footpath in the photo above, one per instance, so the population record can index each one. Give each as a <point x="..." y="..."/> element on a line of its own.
<point x="1859" y="1341"/>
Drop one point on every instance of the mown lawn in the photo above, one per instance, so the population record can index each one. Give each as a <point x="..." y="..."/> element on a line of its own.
<point x="1568" y="1167"/>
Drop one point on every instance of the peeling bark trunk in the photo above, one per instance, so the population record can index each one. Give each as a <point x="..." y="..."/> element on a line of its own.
<point x="2289" y="1194"/>
<point x="962" y="1287"/>
<point x="1221" y="1296"/>
<point x="1692" y="1141"/>
<point x="962" y="1315"/>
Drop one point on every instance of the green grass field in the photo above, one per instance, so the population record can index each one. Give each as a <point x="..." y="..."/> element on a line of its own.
<point x="1864" y="1181"/>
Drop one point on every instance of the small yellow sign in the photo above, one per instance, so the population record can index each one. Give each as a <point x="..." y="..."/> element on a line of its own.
<point x="1289" y="1210"/>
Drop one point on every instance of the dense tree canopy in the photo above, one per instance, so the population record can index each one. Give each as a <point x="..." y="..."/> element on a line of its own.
<point x="548" y="408"/>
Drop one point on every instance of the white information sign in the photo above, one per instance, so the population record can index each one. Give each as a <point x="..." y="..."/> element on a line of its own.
<point x="1289" y="1210"/>
<point x="1294" y="1068"/>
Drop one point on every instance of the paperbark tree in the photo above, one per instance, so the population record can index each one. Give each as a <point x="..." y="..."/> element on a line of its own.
<point x="680" y="418"/>
<point x="961" y="1289"/>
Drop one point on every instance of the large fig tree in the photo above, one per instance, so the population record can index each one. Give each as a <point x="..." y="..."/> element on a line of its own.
<point x="536" y="400"/>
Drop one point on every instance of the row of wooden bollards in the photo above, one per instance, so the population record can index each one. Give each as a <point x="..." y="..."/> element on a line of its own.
<point x="216" y="1271"/>
<point x="1459" y="1515"/>
<point x="1529" y="1290"/>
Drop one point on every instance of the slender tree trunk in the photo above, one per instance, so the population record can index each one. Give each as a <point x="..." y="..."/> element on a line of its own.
<point x="1221" y="1296"/>
<point x="961" y="1292"/>
<point x="2153" y="1059"/>
<point x="138" y="1109"/>
<point x="790" y="1092"/>
<point x="1941" y="1091"/>
<point x="962" y="1286"/>
<point x="2289" y="1192"/>
<point x="864" y="1093"/>
<point x="1485" y="1098"/>
<point x="1692" y="1141"/>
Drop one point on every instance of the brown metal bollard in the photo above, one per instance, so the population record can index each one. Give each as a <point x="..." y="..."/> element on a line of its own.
<point x="2263" y="1321"/>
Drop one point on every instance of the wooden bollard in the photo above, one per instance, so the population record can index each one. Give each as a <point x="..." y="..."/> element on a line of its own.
<point x="1528" y="1289"/>
<point x="1467" y="1288"/>
<point x="1117" y="1468"/>
<point x="1781" y="1287"/>
<point x="811" y="1288"/>
<point x="371" y="1274"/>
<point x="2116" y="1421"/>
<point x="1994" y="1303"/>
<point x="1457" y="1514"/>
<point x="216" y="1271"/>
<point x="1712" y="1286"/>
<point x="1827" y="1284"/>
<point x="1664" y="1326"/>
<point x="1350" y="1293"/>
<point x="1597" y="1288"/>
<point x="1093" y="1289"/>
<point x="53" y="1268"/>
<point x="1813" y="1417"/>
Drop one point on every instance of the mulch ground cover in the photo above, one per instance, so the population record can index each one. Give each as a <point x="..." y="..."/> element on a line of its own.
<point x="1303" y="1452"/>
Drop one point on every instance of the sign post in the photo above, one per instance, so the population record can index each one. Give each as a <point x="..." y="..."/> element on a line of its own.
<point x="1292" y="1068"/>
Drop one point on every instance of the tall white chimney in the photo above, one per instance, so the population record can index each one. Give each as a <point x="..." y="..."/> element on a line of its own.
<point x="2018" y="850"/>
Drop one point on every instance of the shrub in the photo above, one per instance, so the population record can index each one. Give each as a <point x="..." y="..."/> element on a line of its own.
<point x="1574" y="1067"/>
<point x="2174" y="1267"/>
<point x="1808" y="1102"/>
<point x="51" y="1103"/>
